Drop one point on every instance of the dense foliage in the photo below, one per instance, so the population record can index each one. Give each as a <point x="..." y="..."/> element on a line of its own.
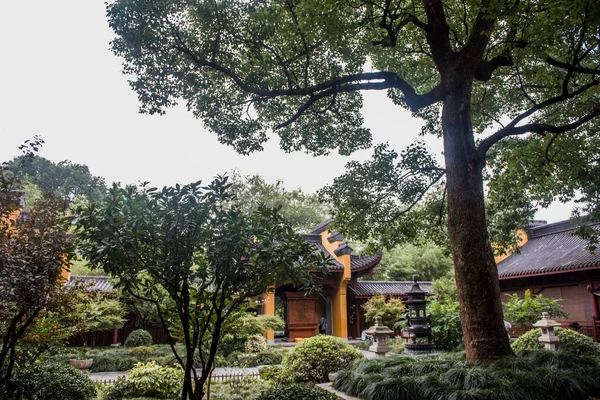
<point x="569" y="341"/>
<point x="296" y="392"/>
<point x="138" y="337"/>
<point x="390" y="310"/>
<point x="193" y="245"/>
<point x="48" y="381"/>
<point x="34" y="249"/>
<point x="315" y="358"/>
<point x="99" y="313"/>
<point x="530" y="375"/>
<point x="246" y="389"/>
<point x="429" y="261"/>
<point x="524" y="312"/>
<point x="445" y="325"/>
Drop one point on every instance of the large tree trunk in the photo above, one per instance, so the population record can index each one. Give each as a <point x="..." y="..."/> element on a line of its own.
<point x="476" y="273"/>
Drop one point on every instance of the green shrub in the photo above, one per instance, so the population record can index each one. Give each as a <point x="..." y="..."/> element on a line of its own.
<point x="255" y="344"/>
<point x="270" y="373"/>
<point x="525" y="312"/>
<point x="247" y="389"/>
<point x="296" y="392"/>
<point x="139" y="337"/>
<point x="396" y="344"/>
<point x="531" y="375"/>
<point x="445" y="325"/>
<point x="114" y="360"/>
<point x="49" y="381"/>
<point x="571" y="341"/>
<point x="153" y="380"/>
<point x="391" y="311"/>
<point x="142" y="352"/>
<point x="318" y="356"/>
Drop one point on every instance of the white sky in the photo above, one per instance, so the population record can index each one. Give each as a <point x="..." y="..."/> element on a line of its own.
<point x="59" y="80"/>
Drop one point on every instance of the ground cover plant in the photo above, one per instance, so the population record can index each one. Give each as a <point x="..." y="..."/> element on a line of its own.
<point x="533" y="375"/>
<point x="296" y="392"/>
<point x="570" y="341"/>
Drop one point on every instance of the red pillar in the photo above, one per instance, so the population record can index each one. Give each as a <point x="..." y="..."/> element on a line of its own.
<point x="115" y="336"/>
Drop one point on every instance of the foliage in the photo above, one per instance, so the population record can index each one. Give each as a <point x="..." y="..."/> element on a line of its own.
<point x="428" y="261"/>
<point x="246" y="389"/>
<point x="99" y="313"/>
<point x="124" y="358"/>
<point x="569" y="341"/>
<point x="396" y="344"/>
<point x="191" y="244"/>
<point x="489" y="78"/>
<point x="526" y="311"/>
<point x="151" y="379"/>
<point x="48" y="381"/>
<point x="315" y="358"/>
<point x="530" y="375"/>
<point x="143" y="352"/>
<point x="33" y="252"/>
<point x="390" y="310"/>
<point x="445" y="325"/>
<point x="303" y="211"/>
<point x="138" y="337"/>
<point x="271" y="322"/>
<point x="65" y="179"/>
<point x="296" y="392"/>
<point x="271" y="356"/>
<point x="444" y="290"/>
<point x="255" y="344"/>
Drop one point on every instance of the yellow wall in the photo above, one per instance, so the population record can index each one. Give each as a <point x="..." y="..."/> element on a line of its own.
<point x="269" y="309"/>
<point x="522" y="240"/>
<point x="339" y="312"/>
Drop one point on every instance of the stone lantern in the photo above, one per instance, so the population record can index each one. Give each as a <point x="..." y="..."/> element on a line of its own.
<point x="380" y="334"/>
<point x="548" y="337"/>
<point x="417" y="321"/>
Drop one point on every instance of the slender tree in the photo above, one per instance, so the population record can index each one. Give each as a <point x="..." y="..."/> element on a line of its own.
<point x="521" y="68"/>
<point x="190" y="243"/>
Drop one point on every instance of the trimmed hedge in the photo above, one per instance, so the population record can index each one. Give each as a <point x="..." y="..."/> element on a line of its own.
<point x="48" y="381"/>
<point x="569" y="340"/>
<point x="139" y="337"/>
<point x="296" y="392"/>
<point x="315" y="358"/>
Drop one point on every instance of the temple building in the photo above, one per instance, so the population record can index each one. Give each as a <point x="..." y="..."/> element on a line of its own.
<point x="555" y="263"/>
<point x="343" y="294"/>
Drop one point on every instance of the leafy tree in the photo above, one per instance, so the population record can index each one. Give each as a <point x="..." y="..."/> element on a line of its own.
<point x="33" y="252"/>
<point x="303" y="211"/>
<point x="524" y="312"/>
<point x="208" y="256"/>
<point x="479" y="73"/>
<point x="402" y="262"/>
<point x="66" y="179"/>
<point x="390" y="310"/>
<point x="100" y="314"/>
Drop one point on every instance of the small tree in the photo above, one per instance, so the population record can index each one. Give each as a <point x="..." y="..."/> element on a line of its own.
<point x="208" y="256"/>
<point x="391" y="310"/>
<point x="524" y="312"/>
<point x="100" y="314"/>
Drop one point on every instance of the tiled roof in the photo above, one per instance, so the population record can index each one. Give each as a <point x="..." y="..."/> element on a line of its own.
<point x="550" y="248"/>
<point x="388" y="288"/>
<point x="92" y="283"/>
<point x="358" y="263"/>
<point x="322" y="226"/>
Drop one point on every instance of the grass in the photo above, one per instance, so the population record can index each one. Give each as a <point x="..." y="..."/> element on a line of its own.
<point x="533" y="375"/>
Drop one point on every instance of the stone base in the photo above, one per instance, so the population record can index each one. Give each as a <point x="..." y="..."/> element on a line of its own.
<point x="419" y="348"/>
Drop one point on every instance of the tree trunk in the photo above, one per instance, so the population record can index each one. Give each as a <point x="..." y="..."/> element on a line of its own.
<point x="475" y="270"/>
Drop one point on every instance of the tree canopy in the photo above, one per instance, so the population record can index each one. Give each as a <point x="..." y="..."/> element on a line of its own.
<point x="191" y="244"/>
<point x="491" y="77"/>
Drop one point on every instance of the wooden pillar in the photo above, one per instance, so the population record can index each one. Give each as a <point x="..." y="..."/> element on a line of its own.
<point x="269" y="309"/>
<point x="115" y="341"/>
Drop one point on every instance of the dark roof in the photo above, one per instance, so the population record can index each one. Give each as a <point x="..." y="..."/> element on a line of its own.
<point x="358" y="263"/>
<point x="322" y="226"/>
<point x="550" y="248"/>
<point x="93" y="283"/>
<point x="388" y="288"/>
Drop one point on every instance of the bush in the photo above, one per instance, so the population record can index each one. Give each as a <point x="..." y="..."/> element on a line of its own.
<point x="139" y="337"/>
<point x="315" y="358"/>
<point x="396" y="344"/>
<point x="445" y="325"/>
<point x="154" y="380"/>
<point x="255" y="344"/>
<point x="296" y="392"/>
<point x="391" y="311"/>
<point x="113" y="360"/>
<point x="142" y="352"/>
<point x="49" y="381"/>
<point x="525" y="312"/>
<point x="571" y="341"/>
<point x="247" y="389"/>
<point x="530" y="375"/>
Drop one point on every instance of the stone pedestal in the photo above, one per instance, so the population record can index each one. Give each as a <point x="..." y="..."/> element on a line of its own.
<point x="380" y="333"/>
<point x="548" y="337"/>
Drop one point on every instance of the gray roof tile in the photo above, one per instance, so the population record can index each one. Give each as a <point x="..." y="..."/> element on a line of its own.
<point x="388" y="288"/>
<point x="93" y="283"/>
